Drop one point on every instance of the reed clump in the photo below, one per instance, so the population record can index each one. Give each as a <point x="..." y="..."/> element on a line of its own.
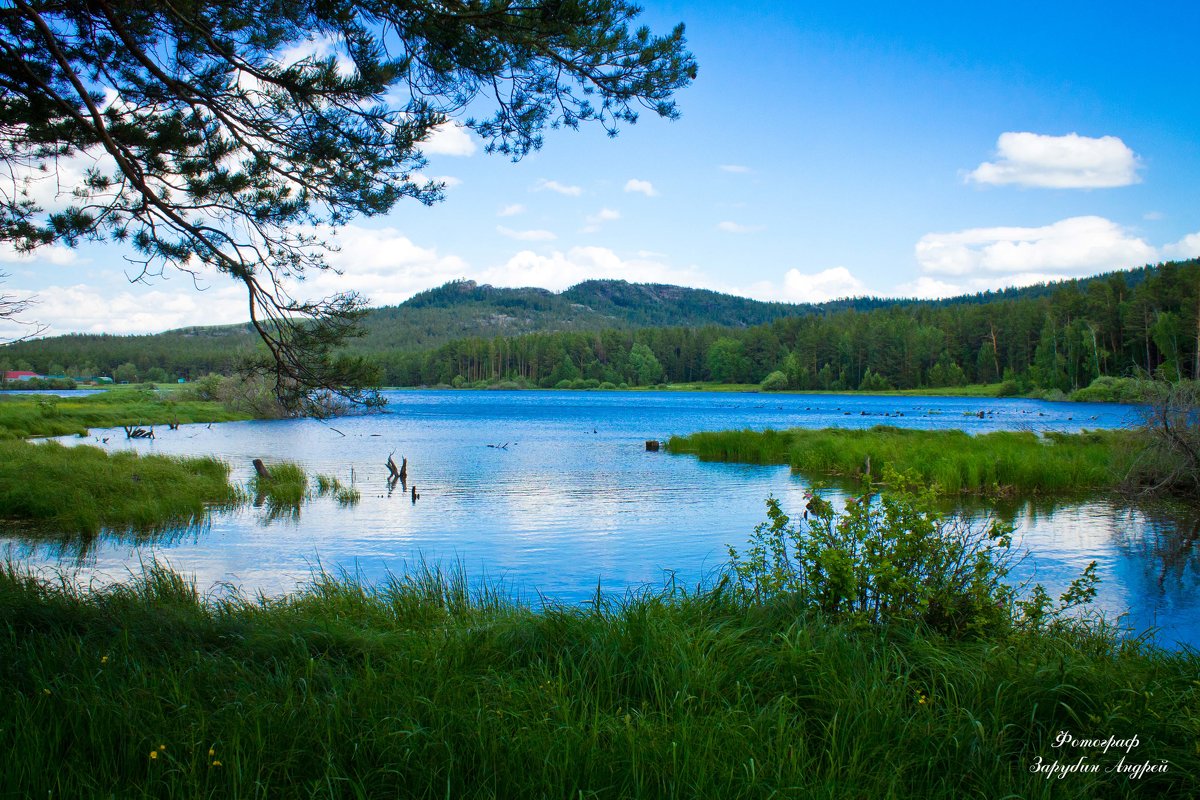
<point x="427" y="687"/>
<point x="85" y="489"/>
<point x="989" y="464"/>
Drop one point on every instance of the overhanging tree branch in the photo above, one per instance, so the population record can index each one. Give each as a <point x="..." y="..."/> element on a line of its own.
<point x="222" y="154"/>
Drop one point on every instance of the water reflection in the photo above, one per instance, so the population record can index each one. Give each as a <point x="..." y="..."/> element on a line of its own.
<point x="575" y="498"/>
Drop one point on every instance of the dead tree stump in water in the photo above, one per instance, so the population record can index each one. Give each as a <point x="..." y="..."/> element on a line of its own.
<point x="651" y="445"/>
<point x="261" y="469"/>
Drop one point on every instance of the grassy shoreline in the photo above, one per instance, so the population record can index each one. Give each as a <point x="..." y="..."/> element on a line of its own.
<point x="991" y="464"/>
<point x="25" y="416"/>
<point x="421" y="687"/>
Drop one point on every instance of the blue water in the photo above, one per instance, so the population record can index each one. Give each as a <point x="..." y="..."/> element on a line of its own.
<point x="553" y="493"/>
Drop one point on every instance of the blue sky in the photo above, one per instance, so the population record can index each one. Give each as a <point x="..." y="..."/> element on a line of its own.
<point x="824" y="150"/>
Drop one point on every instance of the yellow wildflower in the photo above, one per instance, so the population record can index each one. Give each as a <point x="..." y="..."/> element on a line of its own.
<point x="216" y="763"/>
<point x="153" y="754"/>
<point x="103" y="659"/>
<point x="162" y="747"/>
<point x="211" y="752"/>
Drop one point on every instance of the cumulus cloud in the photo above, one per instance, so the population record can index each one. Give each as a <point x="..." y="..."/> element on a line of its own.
<point x="554" y="186"/>
<point x="526" y="236"/>
<point x="1059" y="162"/>
<point x="737" y="227"/>
<point x="135" y="309"/>
<point x="1070" y="247"/>
<point x="645" y="187"/>
<point x="927" y="288"/>
<point x="52" y="189"/>
<point x="736" y="168"/>
<point x="1185" y="248"/>
<point x="449" y="181"/>
<point x="594" y="221"/>
<point x="382" y="264"/>
<point x="54" y="255"/>
<point x="560" y="270"/>
<point x="511" y="210"/>
<point x="449" y="139"/>
<point x="801" y="287"/>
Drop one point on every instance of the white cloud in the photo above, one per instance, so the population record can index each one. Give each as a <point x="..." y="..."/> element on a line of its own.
<point x="382" y="264"/>
<point x="645" y="187"/>
<point x="560" y="270"/>
<point x="1070" y="247"/>
<point x="449" y="139"/>
<point x="594" y="221"/>
<point x="555" y="186"/>
<point x="800" y="287"/>
<point x="736" y="168"/>
<point x="526" y="236"/>
<point x="53" y="254"/>
<point x="318" y="48"/>
<point x="927" y="288"/>
<point x="135" y="309"/>
<point x="1152" y="216"/>
<point x="511" y="210"/>
<point x="737" y="227"/>
<point x="1185" y="248"/>
<point x="449" y="181"/>
<point x="51" y="189"/>
<point x="1059" y="162"/>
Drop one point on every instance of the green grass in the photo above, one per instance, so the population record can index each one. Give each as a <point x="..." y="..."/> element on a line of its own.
<point x="84" y="489"/>
<point x="47" y="415"/>
<point x="422" y="688"/>
<point x="993" y="464"/>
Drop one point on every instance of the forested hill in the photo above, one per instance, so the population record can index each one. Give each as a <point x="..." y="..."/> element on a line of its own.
<point x="463" y="309"/>
<point x="460" y="309"/>
<point x="1057" y="336"/>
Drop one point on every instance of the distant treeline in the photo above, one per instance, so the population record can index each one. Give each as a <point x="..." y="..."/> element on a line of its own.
<point x="1060" y="337"/>
<point x="1141" y="322"/>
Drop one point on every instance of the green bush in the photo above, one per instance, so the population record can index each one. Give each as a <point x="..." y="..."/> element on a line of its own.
<point x="893" y="556"/>
<point x="774" y="382"/>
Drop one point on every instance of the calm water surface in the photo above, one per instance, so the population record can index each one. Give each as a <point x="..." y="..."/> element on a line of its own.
<point x="553" y="492"/>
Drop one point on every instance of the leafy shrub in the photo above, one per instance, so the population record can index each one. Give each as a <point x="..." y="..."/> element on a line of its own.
<point x="1009" y="388"/>
<point x="893" y="556"/>
<point x="1107" y="389"/>
<point x="775" y="382"/>
<point x="874" y="382"/>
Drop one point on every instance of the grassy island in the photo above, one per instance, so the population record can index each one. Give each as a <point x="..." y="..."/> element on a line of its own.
<point x="987" y="464"/>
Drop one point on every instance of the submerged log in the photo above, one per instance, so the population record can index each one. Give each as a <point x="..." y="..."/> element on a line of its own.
<point x="261" y="469"/>
<point x="133" y="432"/>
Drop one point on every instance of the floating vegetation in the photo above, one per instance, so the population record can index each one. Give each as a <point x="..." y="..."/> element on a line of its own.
<point x="994" y="464"/>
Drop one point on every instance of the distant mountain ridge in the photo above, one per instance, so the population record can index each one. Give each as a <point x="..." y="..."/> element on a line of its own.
<point x="465" y="309"/>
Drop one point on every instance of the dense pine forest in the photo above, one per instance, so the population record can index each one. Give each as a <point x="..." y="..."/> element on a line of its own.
<point x="1059" y="337"/>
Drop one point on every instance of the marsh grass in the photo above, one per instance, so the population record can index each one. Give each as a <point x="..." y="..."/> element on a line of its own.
<point x="331" y="485"/>
<point x="424" y="686"/>
<point x="993" y="464"/>
<point x="85" y="489"/>
<point x="48" y="415"/>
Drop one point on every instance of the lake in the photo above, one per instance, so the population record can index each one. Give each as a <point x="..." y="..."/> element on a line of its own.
<point x="553" y="493"/>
